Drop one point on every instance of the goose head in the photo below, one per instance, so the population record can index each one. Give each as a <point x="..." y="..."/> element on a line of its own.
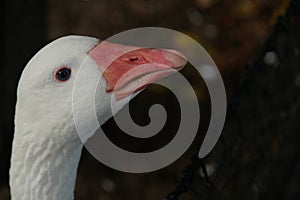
<point x="47" y="82"/>
<point x="46" y="148"/>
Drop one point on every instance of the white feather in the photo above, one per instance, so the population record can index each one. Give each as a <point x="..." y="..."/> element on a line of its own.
<point x="46" y="147"/>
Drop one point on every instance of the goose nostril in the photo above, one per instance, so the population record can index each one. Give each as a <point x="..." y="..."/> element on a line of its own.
<point x="133" y="59"/>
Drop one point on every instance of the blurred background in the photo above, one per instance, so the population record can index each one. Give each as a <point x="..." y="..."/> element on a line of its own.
<point x="258" y="157"/>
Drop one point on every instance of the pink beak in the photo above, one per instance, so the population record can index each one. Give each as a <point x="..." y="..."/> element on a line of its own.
<point x="128" y="69"/>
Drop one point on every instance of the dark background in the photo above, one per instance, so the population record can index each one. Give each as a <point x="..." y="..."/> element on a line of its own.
<point x="259" y="155"/>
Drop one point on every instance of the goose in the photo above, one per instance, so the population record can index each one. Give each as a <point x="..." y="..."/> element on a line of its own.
<point x="46" y="147"/>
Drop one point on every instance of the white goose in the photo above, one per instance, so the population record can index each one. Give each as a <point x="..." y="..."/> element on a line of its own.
<point x="46" y="147"/>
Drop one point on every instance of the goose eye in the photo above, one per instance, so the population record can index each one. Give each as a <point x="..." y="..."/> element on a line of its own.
<point x="63" y="74"/>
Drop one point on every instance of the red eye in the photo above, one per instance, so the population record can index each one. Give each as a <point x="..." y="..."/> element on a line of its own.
<point x="63" y="74"/>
